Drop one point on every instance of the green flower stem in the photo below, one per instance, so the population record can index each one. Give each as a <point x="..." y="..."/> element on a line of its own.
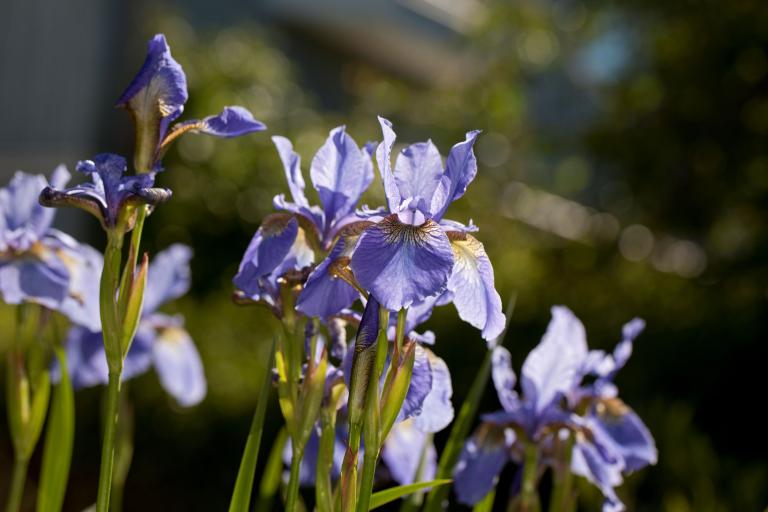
<point x="16" y="491"/>
<point x="562" y="494"/>
<point x="123" y="451"/>
<point x="108" y="444"/>
<point x="323" y="487"/>
<point x="529" y="498"/>
<point x="292" y="493"/>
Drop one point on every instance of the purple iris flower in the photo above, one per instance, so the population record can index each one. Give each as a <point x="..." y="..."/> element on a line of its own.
<point x="409" y="454"/>
<point x="156" y="98"/>
<point x="610" y="439"/>
<point x="413" y="255"/>
<point x="40" y="264"/>
<point x="161" y="340"/>
<point x="340" y="172"/>
<point x="111" y="196"/>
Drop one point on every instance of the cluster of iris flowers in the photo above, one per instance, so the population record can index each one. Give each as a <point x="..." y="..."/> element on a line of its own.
<point x="359" y="384"/>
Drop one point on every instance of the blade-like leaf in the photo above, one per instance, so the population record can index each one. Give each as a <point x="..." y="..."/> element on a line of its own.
<point x="59" y="436"/>
<point x="133" y="306"/>
<point x="485" y="504"/>
<point x="270" y="479"/>
<point x="241" y="494"/>
<point x="388" y="495"/>
<point x="38" y="412"/>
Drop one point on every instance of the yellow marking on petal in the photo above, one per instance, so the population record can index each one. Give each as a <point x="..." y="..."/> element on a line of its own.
<point x="466" y="254"/>
<point x="173" y="335"/>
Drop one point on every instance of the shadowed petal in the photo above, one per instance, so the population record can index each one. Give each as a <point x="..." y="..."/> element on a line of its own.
<point x="436" y="409"/>
<point x="588" y="461"/>
<point x="472" y="284"/>
<point x="460" y="170"/>
<point x="418" y="170"/>
<point x="179" y="366"/>
<point x="169" y="277"/>
<point x="42" y="279"/>
<point x="553" y="366"/>
<point x="233" y="121"/>
<point x="632" y="439"/>
<point x="401" y="264"/>
<point x="267" y="250"/>
<point x="481" y="460"/>
<point x="504" y="379"/>
<point x="403" y="452"/>
<point x="384" y="159"/>
<point x="324" y="294"/>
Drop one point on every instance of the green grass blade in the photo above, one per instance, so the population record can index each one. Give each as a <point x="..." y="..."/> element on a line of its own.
<point x="241" y="494"/>
<point x="485" y="504"/>
<point x="388" y="495"/>
<point x="59" y="437"/>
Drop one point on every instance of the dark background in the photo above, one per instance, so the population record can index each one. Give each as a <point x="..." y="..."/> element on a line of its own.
<point x="623" y="172"/>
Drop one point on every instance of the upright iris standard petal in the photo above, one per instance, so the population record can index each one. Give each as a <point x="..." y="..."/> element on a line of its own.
<point x="292" y="165"/>
<point x="504" y="379"/>
<point x="169" y="277"/>
<point x="401" y="264"/>
<point x="408" y="454"/>
<point x="340" y="173"/>
<point x="553" y="366"/>
<point x="472" y="284"/>
<point x="383" y="157"/>
<point x="157" y="94"/>
<point x="268" y="249"/>
<point x="480" y="462"/>
<point x="460" y="170"/>
<point x="178" y="365"/>
<point x="233" y="121"/>
<point x="436" y="408"/>
<point x="324" y="294"/>
<point x="418" y="170"/>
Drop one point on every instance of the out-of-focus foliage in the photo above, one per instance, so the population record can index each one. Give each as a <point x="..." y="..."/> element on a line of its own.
<point x="623" y="171"/>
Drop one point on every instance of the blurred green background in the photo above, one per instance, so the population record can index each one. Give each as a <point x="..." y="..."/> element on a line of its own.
<point x="623" y="172"/>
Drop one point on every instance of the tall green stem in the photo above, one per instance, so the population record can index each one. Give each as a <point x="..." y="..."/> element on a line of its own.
<point x="529" y="498"/>
<point x="292" y="494"/>
<point x="108" y="444"/>
<point x="562" y="494"/>
<point x="16" y="492"/>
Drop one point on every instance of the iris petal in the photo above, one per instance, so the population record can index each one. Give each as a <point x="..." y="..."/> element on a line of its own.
<point x="436" y="409"/>
<point x="179" y="366"/>
<point x="418" y="170"/>
<point x="403" y="451"/>
<point x="633" y="440"/>
<point x="480" y="462"/>
<point x="324" y="294"/>
<point x="383" y="157"/>
<point x="472" y="284"/>
<point x="553" y="367"/>
<point x="402" y="264"/>
<point x="42" y="279"/>
<point x="233" y="121"/>
<point x="460" y="170"/>
<point x="169" y="276"/>
<point x="504" y="379"/>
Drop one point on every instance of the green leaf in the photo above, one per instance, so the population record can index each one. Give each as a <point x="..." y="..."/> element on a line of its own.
<point x="241" y="494"/>
<point x="388" y="495"/>
<point x="59" y="437"/>
<point x="486" y="504"/>
<point x="38" y="412"/>
<point x="270" y="479"/>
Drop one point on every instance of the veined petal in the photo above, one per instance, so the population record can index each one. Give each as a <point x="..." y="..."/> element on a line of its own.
<point x="460" y="170"/>
<point x="504" y="379"/>
<point x="158" y="93"/>
<point x="384" y="159"/>
<point x="481" y="460"/>
<point x="268" y="248"/>
<point x="553" y="366"/>
<point x="324" y="294"/>
<point x="472" y="284"/>
<point x="418" y="170"/>
<point x="233" y="121"/>
<point x="340" y="173"/>
<point x="292" y="165"/>
<point x="403" y="451"/>
<point x="401" y="264"/>
<point x="169" y="277"/>
<point x="179" y="366"/>
<point x="436" y="409"/>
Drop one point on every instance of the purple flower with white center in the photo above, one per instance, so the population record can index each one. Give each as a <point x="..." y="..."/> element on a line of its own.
<point x="156" y="98"/>
<point x="112" y="196"/>
<point x="161" y="340"/>
<point x="340" y="172"/>
<point x="609" y="438"/>
<point x="40" y="264"/>
<point x="413" y="254"/>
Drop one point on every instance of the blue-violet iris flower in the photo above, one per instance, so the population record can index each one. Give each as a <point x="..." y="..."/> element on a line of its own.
<point x="609" y="438"/>
<point x="40" y="264"/>
<point x="156" y="97"/>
